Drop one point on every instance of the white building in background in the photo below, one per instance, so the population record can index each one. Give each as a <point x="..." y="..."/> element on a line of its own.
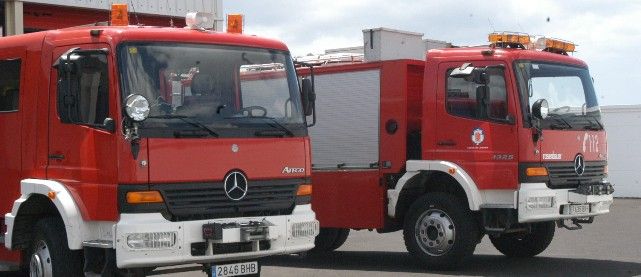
<point x="24" y="16"/>
<point x="623" y="124"/>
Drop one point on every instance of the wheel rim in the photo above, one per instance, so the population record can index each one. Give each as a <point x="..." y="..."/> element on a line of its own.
<point x="40" y="262"/>
<point x="435" y="232"/>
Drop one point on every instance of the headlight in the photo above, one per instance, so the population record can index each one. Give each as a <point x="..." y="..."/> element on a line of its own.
<point x="199" y="20"/>
<point x="540" y="202"/>
<point x="159" y="240"/>
<point x="305" y="229"/>
<point x="137" y="107"/>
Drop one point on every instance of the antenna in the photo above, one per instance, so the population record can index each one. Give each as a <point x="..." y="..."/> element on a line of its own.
<point x="133" y="9"/>
<point x="171" y="15"/>
<point x="520" y="27"/>
<point x="489" y="21"/>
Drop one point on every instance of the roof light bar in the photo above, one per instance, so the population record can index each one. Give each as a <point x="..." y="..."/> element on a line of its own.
<point x="555" y="45"/>
<point x="509" y="37"/>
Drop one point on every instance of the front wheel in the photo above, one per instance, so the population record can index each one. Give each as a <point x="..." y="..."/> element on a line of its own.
<point x="49" y="254"/>
<point x="439" y="231"/>
<point x="525" y="244"/>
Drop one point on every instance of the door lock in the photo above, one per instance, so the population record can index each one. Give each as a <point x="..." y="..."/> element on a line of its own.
<point x="59" y="157"/>
<point x="447" y="142"/>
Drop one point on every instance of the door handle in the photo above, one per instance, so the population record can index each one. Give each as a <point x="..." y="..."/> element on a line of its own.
<point x="59" y="157"/>
<point x="447" y="142"/>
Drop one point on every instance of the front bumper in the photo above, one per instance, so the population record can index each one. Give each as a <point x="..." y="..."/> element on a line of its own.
<point x="599" y="204"/>
<point x="280" y="235"/>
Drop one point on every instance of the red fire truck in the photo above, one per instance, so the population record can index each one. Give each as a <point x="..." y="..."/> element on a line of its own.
<point x="504" y="140"/>
<point x="127" y="148"/>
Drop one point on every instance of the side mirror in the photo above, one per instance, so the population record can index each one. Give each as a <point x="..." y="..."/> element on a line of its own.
<point x="480" y="76"/>
<point x="109" y="124"/>
<point x="308" y="97"/>
<point x="540" y="109"/>
<point x="137" y="107"/>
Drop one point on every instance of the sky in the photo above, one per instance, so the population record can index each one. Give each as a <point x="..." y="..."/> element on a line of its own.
<point x="608" y="33"/>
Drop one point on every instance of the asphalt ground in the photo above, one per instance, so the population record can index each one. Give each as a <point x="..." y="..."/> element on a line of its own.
<point x="611" y="246"/>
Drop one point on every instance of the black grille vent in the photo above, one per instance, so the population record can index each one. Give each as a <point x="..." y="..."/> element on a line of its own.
<point x="562" y="175"/>
<point x="208" y="200"/>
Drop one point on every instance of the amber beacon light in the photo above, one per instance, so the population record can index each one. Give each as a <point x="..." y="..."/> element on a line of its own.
<point x="119" y="15"/>
<point x="235" y="23"/>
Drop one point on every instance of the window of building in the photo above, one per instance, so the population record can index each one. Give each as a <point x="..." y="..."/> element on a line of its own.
<point x="9" y="85"/>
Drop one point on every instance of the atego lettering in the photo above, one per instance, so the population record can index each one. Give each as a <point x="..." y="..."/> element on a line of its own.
<point x="291" y="170"/>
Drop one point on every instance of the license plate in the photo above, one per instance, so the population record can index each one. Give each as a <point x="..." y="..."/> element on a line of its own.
<point x="580" y="209"/>
<point x="238" y="269"/>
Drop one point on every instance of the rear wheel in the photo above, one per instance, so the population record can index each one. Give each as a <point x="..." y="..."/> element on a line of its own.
<point x="439" y="231"/>
<point x="330" y="239"/>
<point x="49" y="254"/>
<point x="525" y="244"/>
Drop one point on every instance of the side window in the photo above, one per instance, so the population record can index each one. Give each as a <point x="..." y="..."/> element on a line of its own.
<point x="9" y="85"/>
<point x="469" y="99"/>
<point x="83" y="89"/>
<point x="266" y="87"/>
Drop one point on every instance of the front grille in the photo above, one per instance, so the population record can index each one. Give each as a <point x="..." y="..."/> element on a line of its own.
<point x="562" y="175"/>
<point x="208" y="200"/>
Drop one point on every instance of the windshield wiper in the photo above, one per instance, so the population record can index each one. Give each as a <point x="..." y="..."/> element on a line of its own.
<point x="272" y="122"/>
<point x="185" y="119"/>
<point x="270" y="133"/>
<point x="275" y="124"/>
<point x="559" y="119"/>
<point x="594" y="125"/>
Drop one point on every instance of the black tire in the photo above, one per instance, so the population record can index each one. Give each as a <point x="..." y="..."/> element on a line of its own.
<point x="446" y="230"/>
<point x="325" y="239"/>
<point x="525" y="245"/>
<point x="340" y="239"/>
<point x="50" y="234"/>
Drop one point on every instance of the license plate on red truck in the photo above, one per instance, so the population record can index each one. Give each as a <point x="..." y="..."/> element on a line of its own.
<point x="238" y="269"/>
<point x="579" y="209"/>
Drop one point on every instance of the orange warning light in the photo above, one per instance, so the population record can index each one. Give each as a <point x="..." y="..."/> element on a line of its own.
<point x="119" y="15"/>
<point x="235" y="23"/>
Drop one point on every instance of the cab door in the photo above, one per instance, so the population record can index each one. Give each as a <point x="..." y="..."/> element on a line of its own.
<point x="476" y="125"/>
<point x="12" y="96"/>
<point x="82" y="143"/>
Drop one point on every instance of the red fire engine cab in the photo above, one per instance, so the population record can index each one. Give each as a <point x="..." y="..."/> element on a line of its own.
<point x="127" y="148"/>
<point x="504" y="140"/>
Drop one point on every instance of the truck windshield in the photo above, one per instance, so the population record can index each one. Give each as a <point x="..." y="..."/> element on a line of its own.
<point x="568" y="90"/>
<point x="198" y="90"/>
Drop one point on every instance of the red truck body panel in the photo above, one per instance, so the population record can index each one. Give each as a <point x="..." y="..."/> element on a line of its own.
<point x="349" y="199"/>
<point x="192" y="162"/>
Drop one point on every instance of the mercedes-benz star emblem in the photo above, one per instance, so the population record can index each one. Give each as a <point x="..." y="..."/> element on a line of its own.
<point x="579" y="164"/>
<point x="235" y="185"/>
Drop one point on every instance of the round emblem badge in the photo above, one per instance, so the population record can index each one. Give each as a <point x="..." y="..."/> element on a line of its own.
<point x="478" y="136"/>
<point x="235" y="185"/>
